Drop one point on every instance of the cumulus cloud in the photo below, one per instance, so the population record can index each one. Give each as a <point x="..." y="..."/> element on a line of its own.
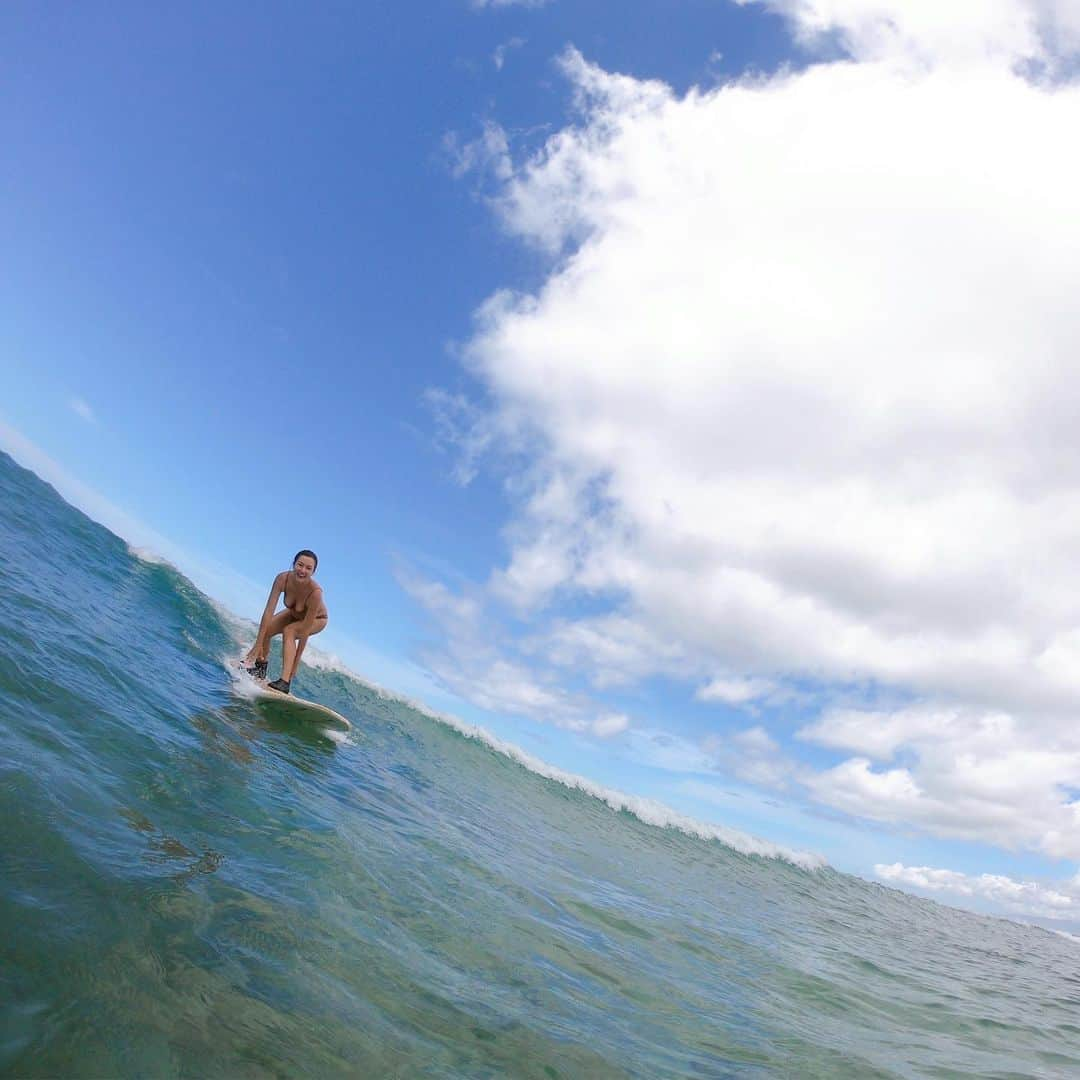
<point x="969" y="774"/>
<point x="1017" y="897"/>
<point x="794" y="402"/>
<point x="960" y="33"/>
<point x="797" y="397"/>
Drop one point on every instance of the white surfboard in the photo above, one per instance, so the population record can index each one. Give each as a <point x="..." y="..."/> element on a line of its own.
<point x="304" y="709"/>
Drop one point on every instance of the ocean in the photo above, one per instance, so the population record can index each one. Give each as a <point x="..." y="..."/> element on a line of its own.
<point x="194" y="886"/>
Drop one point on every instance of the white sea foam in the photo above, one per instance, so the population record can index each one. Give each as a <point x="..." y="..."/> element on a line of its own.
<point x="649" y="811"/>
<point x="147" y="555"/>
<point x="241" y="629"/>
<point x="244" y="685"/>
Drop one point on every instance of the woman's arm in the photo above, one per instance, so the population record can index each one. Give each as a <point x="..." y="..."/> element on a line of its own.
<point x="275" y="591"/>
<point x="261" y="644"/>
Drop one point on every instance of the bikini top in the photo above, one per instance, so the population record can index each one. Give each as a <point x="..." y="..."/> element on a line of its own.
<point x="319" y="613"/>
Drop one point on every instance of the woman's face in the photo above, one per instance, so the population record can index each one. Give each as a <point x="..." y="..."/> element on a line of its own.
<point x="304" y="567"/>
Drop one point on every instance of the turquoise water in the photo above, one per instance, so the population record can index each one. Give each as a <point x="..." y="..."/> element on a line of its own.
<point x="193" y="886"/>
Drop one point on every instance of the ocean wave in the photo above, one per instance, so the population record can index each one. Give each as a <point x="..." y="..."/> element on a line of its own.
<point x="649" y="811"/>
<point x="193" y="888"/>
<point x="149" y="556"/>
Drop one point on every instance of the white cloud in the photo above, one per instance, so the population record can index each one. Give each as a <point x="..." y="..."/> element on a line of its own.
<point x="1017" y="897"/>
<point x="796" y="399"/>
<point x="879" y="733"/>
<point x="960" y="33"/>
<point x="489" y="152"/>
<point x="609" y="651"/>
<point x="735" y="691"/>
<point x="756" y="740"/>
<point x="81" y="409"/>
<point x="970" y="774"/>
<point x="498" y="58"/>
<point x="610" y="724"/>
<point x="751" y="755"/>
<point x="477" y="666"/>
<point x="743" y="425"/>
<point x="461" y="429"/>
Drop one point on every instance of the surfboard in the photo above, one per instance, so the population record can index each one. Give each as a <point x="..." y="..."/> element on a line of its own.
<point x="298" y="706"/>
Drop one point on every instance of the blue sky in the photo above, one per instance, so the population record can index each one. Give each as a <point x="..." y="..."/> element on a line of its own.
<point x="226" y="225"/>
<point x="621" y="514"/>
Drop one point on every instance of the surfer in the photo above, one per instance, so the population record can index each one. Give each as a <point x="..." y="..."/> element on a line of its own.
<point x="305" y="615"/>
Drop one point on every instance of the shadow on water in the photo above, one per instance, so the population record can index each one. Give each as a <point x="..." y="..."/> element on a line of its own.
<point x="250" y="719"/>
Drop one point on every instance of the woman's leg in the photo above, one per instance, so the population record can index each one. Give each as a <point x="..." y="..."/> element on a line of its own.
<point x="270" y="629"/>
<point x="292" y="647"/>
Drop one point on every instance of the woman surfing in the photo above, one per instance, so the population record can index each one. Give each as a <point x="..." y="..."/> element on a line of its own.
<point x="305" y="615"/>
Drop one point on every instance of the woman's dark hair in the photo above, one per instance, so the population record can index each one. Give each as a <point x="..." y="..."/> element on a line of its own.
<point x="309" y="554"/>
